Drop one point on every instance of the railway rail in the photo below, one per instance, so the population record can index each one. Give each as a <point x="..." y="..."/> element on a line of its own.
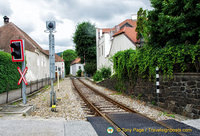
<point x="102" y="105"/>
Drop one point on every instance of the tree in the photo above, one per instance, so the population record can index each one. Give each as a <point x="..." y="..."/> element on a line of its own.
<point x="68" y="56"/>
<point x="141" y="24"/>
<point x="174" y="22"/>
<point x="85" y="40"/>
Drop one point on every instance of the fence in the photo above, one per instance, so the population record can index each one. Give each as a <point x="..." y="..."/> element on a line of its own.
<point x="30" y="88"/>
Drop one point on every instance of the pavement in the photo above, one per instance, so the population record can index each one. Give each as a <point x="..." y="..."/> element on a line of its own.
<point x="29" y="127"/>
<point x="136" y="125"/>
<point x="193" y="122"/>
<point x="14" y="121"/>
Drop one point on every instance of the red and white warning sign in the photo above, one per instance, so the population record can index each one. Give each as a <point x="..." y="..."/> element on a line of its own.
<point x="22" y="76"/>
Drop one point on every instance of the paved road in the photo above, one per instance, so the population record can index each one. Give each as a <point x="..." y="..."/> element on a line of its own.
<point x="45" y="128"/>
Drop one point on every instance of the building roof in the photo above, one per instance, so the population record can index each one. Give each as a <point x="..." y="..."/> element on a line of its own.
<point x="57" y="58"/>
<point x="129" y="32"/>
<point x="10" y="31"/>
<point x="130" y="21"/>
<point x="126" y="27"/>
<point x="106" y="30"/>
<point x="76" y="61"/>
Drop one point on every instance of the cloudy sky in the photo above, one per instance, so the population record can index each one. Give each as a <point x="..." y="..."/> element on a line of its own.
<point x="31" y="16"/>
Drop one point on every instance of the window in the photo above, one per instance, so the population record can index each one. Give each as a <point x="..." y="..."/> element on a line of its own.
<point x="99" y="52"/>
<point x="102" y="50"/>
<point x="79" y="67"/>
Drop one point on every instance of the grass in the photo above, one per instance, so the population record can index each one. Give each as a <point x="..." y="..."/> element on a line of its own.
<point x="168" y="115"/>
<point x="15" y="103"/>
<point x="44" y="99"/>
<point x="139" y="96"/>
<point x="132" y="96"/>
<point x="117" y="93"/>
<point x="46" y="86"/>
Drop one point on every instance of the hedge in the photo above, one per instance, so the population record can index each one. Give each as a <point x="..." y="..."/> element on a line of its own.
<point x="9" y="74"/>
<point x="132" y="64"/>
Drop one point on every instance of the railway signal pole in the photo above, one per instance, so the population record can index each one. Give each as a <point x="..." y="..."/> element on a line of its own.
<point x="18" y="55"/>
<point x="51" y="25"/>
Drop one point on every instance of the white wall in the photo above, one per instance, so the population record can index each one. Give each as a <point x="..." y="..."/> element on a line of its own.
<point x="121" y="43"/>
<point x="74" y="68"/>
<point x="103" y="48"/>
<point x="61" y="65"/>
<point x="38" y="65"/>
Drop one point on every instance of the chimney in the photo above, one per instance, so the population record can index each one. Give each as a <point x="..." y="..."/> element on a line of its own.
<point x="134" y="17"/>
<point x="6" y="20"/>
<point x="101" y="32"/>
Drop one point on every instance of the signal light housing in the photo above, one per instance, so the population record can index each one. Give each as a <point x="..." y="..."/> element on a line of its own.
<point x="17" y="51"/>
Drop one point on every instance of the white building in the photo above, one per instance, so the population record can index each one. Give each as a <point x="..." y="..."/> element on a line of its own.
<point x="60" y="66"/>
<point x="111" y="40"/>
<point x="37" y="59"/>
<point x="75" y="66"/>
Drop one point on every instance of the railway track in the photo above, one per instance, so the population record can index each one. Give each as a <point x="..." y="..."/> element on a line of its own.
<point x="102" y="105"/>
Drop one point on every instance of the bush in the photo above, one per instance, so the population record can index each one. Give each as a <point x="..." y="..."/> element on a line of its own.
<point x="90" y="68"/>
<point x="78" y="73"/>
<point x="105" y="72"/>
<point x="97" y="76"/>
<point x="9" y="74"/>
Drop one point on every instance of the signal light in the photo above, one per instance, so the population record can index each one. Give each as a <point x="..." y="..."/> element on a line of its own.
<point x="51" y="25"/>
<point x="17" y="51"/>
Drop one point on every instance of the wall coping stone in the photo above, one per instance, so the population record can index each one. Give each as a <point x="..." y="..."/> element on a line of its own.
<point x="189" y="73"/>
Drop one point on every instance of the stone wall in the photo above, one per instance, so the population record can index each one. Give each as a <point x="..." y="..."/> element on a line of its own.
<point x="180" y="95"/>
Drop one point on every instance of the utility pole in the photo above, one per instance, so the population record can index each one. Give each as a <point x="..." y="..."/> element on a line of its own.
<point x="50" y="28"/>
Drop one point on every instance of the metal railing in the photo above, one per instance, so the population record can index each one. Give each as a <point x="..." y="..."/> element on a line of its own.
<point x="32" y="87"/>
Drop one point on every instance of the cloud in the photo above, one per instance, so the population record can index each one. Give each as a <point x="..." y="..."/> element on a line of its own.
<point x="100" y="10"/>
<point x="5" y="8"/>
<point x="31" y="16"/>
<point x="49" y="16"/>
<point x="63" y="42"/>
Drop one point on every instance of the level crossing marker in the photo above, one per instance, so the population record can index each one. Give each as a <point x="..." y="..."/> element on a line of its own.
<point x="22" y="76"/>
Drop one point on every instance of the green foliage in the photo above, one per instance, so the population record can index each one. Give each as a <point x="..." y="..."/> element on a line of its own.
<point x="68" y="56"/>
<point x="97" y="76"/>
<point x="85" y="40"/>
<point x="169" y="115"/>
<point x="8" y="73"/>
<point x="141" y="24"/>
<point x="90" y="68"/>
<point x="130" y="64"/>
<point x="78" y="73"/>
<point x="101" y="74"/>
<point x="139" y="96"/>
<point x="174" y="22"/>
<point x="105" y="72"/>
<point x="153" y="102"/>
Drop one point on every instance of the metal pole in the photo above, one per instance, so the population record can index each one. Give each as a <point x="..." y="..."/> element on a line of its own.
<point x="52" y="67"/>
<point x="23" y="84"/>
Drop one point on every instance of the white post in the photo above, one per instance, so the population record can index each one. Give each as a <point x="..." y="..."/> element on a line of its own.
<point x="58" y="79"/>
<point x="157" y="84"/>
